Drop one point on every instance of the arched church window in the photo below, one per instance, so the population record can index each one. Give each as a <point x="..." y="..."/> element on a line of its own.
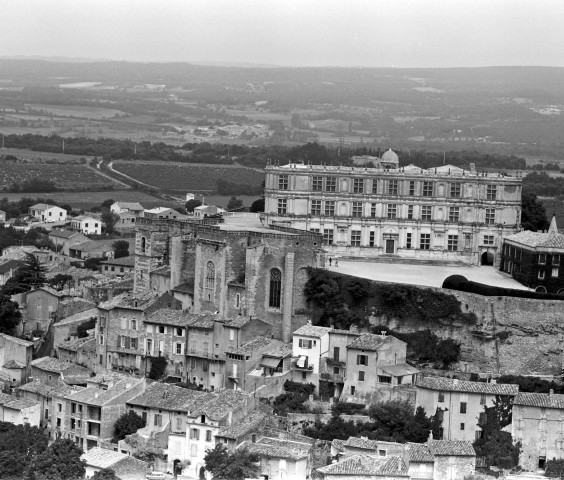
<point x="275" y="288"/>
<point x="210" y="275"/>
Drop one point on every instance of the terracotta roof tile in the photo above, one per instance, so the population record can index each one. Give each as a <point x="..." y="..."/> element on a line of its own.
<point x="538" y="239"/>
<point x="454" y="385"/>
<point x="247" y="425"/>
<point x="368" y="465"/>
<point x="419" y="452"/>
<point x="254" y="345"/>
<point x="276" y="448"/>
<point x="370" y="341"/>
<point x="169" y="397"/>
<point x="452" y="448"/>
<point x="543" y="400"/>
<point x="312" y="331"/>
<point x="167" y="316"/>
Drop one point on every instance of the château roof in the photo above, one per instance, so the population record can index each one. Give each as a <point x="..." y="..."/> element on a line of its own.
<point x="537" y="239"/>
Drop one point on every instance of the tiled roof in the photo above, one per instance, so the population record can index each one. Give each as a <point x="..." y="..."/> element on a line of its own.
<point x="187" y="287"/>
<point x="236" y="322"/>
<point x="109" y="377"/>
<point x="365" y="443"/>
<point x="452" y="448"/>
<point x="276" y="448"/>
<point x="14" y="403"/>
<point x="78" y="317"/>
<point x="279" y="351"/>
<point x="129" y="205"/>
<point x="202" y="320"/>
<point x="14" y="364"/>
<point x="19" y="341"/>
<point x="543" y="400"/>
<point x="97" y="396"/>
<point x="369" y="341"/>
<point x="311" y="331"/>
<point x="131" y="301"/>
<point x="50" y="364"/>
<point x="62" y="233"/>
<point x="238" y="429"/>
<point x="338" y="444"/>
<point x="86" y="343"/>
<point x="219" y="404"/>
<point x="121" y="262"/>
<point x="538" y="239"/>
<point x="167" y="316"/>
<point x="102" y="458"/>
<point x="419" y="452"/>
<point x="400" y="370"/>
<point x="169" y="397"/>
<point x="367" y="465"/>
<point x="45" y="390"/>
<point x="11" y="265"/>
<point x="41" y="206"/>
<point x="343" y="332"/>
<point x="454" y="385"/>
<point x="253" y="345"/>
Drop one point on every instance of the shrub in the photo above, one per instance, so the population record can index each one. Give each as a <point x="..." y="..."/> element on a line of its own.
<point x="158" y="368"/>
<point x="81" y="329"/>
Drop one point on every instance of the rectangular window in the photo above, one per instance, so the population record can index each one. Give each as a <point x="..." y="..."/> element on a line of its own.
<point x="555" y="260"/>
<point x="355" y="238"/>
<point x="373" y="210"/>
<point x="362" y="360"/>
<point x="392" y="187"/>
<point x="282" y="206"/>
<point x="542" y="258"/>
<point x="328" y="237"/>
<point x="283" y="182"/>
<point x="425" y="241"/>
<point x="329" y="208"/>
<point x="491" y="192"/>
<point x="408" y="240"/>
<point x="303" y="343"/>
<point x="452" y="243"/>
<point x="483" y="399"/>
<point x="462" y="407"/>
<point x="133" y="324"/>
<point x="179" y="349"/>
<point x="490" y="216"/>
<point x="73" y="407"/>
<point x="361" y="376"/>
<point x="357" y="209"/>
<point x="541" y="275"/>
<point x="371" y="240"/>
<point x="122" y="341"/>
<point x="555" y="271"/>
<point x="411" y="188"/>
<point x="384" y="379"/>
<point x="454" y="214"/>
<point x="178" y="424"/>
<point x="455" y="190"/>
<point x="410" y="212"/>
<point x="374" y="186"/>
<point x="316" y="207"/>
<point x="194" y="450"/>
<point x="133" y="343"/>
<point x="428" y="189"/>
<point x="488" y="239"/>
<point x="462" y="426"/>
<point x="195" y="434"/>
<point x="426" y="212"/>
<point x="331" y="184"/>
<point x="392" y="211"/>
<point x="179" y="332"/>
<point x="441" y="397"/>
<point x="208" y="435"/>
<point x="158" y="420"/>
<point x="317" y="184"/>
<point x="358" y="185"/>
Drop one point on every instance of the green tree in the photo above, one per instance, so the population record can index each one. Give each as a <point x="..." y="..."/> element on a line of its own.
<point x="27" y="277"/>
<point x="61" y="461"/>
<point x="59" y="281"/>
<point x="147" y="450"/>
<point x="158" y="368"/>
<point x="105" y="474"/>
<point x="192" y="204"/>
<point x="19" y="444"/>
<point x="127" y="424"/>
<point x="109" y="219"/>
<point x="10" y="315"/>
<point x="82" y="328"/>
<point x="121" y="248"/>
<point x="106" y="204"/>
<point x="257" y="206"/>
<point x="496" y="445"/>
<point x="93" y="263"/>
<point x="234" y="203"/>
<point x="238" y="465"/>
<point x="533" y="214"/>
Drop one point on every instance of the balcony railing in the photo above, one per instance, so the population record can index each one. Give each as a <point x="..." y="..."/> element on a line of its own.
<point x="305" y="367"/>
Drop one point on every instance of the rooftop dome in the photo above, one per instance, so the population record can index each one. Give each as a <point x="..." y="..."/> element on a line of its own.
<point x="390" y="157"/>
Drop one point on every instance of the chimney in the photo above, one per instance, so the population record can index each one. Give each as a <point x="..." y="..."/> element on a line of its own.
<point x="551" y="392"/>
<point x="383" y="333"/>
<point x="493" y="380"/>
<point x="430" y="439"/>
<point x="96" y="394"/>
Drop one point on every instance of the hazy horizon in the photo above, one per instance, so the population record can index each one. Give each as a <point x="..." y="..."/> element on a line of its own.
<point x="290" y="33"/>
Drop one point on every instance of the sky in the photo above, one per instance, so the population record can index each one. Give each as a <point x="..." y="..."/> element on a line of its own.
<point x="370" y="33"/>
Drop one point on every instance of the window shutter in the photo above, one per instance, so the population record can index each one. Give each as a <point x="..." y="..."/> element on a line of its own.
<point x="119" y="340"/>
<point x="123" y="323"/>
<point x="127" y="342"/>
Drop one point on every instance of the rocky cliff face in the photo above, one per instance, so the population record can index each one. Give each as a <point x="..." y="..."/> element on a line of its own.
<point x="512" y="335"/>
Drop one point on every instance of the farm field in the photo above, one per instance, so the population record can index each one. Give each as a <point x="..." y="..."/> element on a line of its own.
<point x="84" y="200"/>
<point x="93" y="113"/>
<point x="66" y="176"/>
<point x="187" y="177"/>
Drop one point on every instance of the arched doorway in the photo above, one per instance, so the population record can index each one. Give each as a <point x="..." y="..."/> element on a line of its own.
<point x="540" y="289"/>
<point x="561" y="292"/>
<point x="487" y="258"/>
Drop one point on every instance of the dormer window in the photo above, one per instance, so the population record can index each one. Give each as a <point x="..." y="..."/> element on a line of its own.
<point x="203" y="419"/>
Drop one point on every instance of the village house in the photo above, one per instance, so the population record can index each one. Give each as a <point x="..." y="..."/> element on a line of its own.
<point x="126" y="222"/>
<point x="47" y="213"/>
<point x="163" y="213"/>
<point x="120" y="330"/>
<point x="375" y="365"/>
<point x="19" y="411"/>
<point x="8" y="269"/>
<point x="248" y="429"/>
<point x="90" y="414"/>
<point x="125" y="466"/>
<point x="67" y="328"/>
<point x="54" y="372"/>
<point x="64" y="239"/>
<point x="459" y="403"/>
<point x="81" y="351"/>
<point x="87" y="225"/>
<point x="95" y="249"/>
<point x="366" y="467"/>
<point x="309" y="344"/>
<point x="15" y="359"/>
<point x="118" y="266"/>
<point x="132" y="207"/>
<point x="288" y="458"/>
<point x="537" y="424"/>
<point x="207" y="210"/>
